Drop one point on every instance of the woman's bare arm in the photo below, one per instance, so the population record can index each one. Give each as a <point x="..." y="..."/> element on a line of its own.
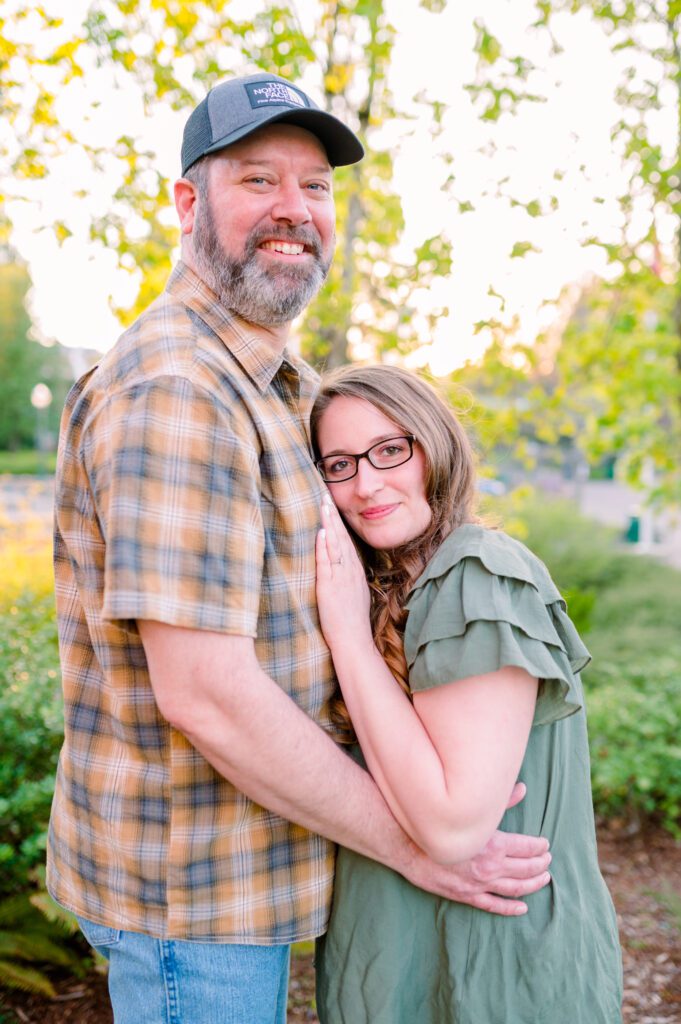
<point x="445" y="764"/>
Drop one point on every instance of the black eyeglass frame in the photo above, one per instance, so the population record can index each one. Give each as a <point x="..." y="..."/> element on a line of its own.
<point x="409" y="438"/>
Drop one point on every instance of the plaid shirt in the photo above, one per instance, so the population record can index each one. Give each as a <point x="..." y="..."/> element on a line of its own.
<point x="185" y="494"/>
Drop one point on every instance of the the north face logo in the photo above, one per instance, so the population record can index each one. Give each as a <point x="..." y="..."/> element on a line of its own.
<point x="263" y="94"/>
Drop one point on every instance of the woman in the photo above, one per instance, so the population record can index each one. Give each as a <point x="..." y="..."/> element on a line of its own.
<point x="459" y="670"/>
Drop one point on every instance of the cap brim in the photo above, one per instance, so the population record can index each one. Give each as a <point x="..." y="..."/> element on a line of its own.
<point x="342" y="145"/>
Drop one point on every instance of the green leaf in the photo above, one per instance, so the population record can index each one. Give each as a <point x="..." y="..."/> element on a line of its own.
<point x="487" y="46"/>
<point x="521" y="249"/>
<point x="27" y="979"/>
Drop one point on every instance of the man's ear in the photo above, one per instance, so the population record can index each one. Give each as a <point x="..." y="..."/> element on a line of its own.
<point x="186" y="197"/>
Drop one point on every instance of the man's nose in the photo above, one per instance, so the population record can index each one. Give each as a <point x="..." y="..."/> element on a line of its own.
<point x="290" y="204"/>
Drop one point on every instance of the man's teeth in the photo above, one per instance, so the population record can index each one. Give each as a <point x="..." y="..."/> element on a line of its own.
<point x="287" y="248"/>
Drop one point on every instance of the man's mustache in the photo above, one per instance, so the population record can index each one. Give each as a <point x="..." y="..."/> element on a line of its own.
<point x="306" y="234"/>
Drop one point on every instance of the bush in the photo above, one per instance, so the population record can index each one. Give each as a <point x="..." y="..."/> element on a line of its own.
<point x="30" y="704"/>
<point x="627" y="608"/>
<point x="28" y="462"/>
<point x="634" y="723"/>
<point x="35" y="934"/>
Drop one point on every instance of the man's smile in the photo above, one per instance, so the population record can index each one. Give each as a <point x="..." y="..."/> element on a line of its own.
<point x="285" y="248"/>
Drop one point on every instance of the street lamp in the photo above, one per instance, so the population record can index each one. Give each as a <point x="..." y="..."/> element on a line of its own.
<point x="41" y="399"/>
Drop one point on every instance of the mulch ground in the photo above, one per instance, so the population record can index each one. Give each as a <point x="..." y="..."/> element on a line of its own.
<point x="643" y="873"/>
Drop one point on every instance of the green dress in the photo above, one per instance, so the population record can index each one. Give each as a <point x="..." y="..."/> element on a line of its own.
<point x="394" y="954"/>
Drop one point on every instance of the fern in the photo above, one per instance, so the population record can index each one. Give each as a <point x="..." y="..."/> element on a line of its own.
<point x="57" y="915"/>
<point x="28" y="979"/>
<point x="35" y="934"/>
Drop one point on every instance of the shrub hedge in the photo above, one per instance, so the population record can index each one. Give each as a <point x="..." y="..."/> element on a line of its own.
<point x="30" y="703"/>
<point x="627" y="608"/>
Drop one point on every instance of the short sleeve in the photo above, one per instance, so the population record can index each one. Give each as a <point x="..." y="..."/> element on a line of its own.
<point x="176" y="493"/>
<point x="485" y="603"/>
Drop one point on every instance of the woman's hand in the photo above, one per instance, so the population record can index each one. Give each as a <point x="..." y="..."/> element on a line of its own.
<point x="342" y="592"/>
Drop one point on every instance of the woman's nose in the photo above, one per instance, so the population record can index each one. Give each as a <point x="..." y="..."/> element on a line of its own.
<point x="368" y="479"/>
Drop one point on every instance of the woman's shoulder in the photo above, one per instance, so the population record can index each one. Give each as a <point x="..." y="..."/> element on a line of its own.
<point x="484" y="602"/>
<point x="496" y="552"/>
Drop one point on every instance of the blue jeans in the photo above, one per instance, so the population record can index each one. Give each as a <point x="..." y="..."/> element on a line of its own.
<point x="159" y="981"/>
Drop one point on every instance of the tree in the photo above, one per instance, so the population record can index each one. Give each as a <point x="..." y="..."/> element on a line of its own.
<point x="23" y="362"/>
<point x="618" y="369"/>
<point x="602" y="386"/>
<point x="614" y="381"/>
<point x="173" y="52"/>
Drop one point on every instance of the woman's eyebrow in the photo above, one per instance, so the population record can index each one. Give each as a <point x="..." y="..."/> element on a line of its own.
<point x="376" y="440"/>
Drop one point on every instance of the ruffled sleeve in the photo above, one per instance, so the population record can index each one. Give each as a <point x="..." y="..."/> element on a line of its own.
<point x="483" y="603"/>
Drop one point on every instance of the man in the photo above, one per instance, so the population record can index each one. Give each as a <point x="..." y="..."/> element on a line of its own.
<point x="199" y="790"/>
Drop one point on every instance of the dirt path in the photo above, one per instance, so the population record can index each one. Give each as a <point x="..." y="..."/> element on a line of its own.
<point x="644" y="876"/>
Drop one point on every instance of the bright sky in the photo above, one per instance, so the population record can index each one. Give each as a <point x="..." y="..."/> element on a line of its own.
<point x="570" y="132"/>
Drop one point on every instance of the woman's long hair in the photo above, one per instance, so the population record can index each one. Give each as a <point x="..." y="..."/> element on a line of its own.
<point x="416" y="408"/>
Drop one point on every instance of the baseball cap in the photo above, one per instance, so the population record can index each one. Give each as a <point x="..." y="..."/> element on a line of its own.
<point x="234" y="109"/>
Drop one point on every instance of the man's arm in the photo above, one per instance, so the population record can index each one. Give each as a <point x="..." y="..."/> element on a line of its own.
<point x="211" y="688"/>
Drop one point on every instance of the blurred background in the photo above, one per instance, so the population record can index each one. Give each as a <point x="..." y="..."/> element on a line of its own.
<point x="514" y="231"/>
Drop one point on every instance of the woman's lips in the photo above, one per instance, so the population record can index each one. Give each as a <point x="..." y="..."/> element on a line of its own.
<point x="377" y="512"/>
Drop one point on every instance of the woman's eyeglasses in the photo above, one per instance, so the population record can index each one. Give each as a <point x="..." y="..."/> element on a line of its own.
<point x="394" y="451"/>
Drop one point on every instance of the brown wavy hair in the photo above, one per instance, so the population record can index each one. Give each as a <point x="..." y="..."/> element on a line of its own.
<point x="416" y="407"/>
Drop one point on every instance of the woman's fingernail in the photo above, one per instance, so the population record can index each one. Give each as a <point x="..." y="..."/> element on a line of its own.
<point x="322" y="533"/>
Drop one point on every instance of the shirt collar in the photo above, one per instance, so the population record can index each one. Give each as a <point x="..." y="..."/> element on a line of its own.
<point x="258" y="359"/>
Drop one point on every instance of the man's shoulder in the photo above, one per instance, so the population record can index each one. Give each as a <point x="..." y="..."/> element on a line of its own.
<point x="167" y="340"/>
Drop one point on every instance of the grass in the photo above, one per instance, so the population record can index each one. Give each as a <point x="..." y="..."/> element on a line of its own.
<point x="670" y="901"/>
<point x="28" y="463"/>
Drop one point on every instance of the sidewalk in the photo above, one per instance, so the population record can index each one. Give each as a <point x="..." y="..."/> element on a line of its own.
<point x="26" y="498"/>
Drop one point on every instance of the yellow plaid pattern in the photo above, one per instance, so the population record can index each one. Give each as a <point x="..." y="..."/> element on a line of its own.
<point x="185" y="494"/>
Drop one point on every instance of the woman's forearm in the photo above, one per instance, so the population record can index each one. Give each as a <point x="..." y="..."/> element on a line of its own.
<point x="440" y="812"/>
<point x="446" y="764"/>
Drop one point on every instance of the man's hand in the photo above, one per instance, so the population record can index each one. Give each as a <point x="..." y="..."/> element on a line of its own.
<point x="509" y="866"/>
<point x="210" y="687"/>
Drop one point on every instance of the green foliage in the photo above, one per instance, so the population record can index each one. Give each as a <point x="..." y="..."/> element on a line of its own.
<point x="23" y="362"/>
<point x="627" y="608"/>
<point x="634" y="725"/>
<point x="35" y="933"/>
<point x="30" y="709"/>
<point x="31" y="941"/>
<point x="27" y="463"/>
<point x="613" y="381"/>
<point x="175" y="52"/>
<point x="619" y="371"/>
<point x="499" y="86"/>
<point x="608" y="388"/>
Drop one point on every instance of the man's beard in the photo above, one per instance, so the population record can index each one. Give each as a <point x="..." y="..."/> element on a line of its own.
<point x="268" y="296"/>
